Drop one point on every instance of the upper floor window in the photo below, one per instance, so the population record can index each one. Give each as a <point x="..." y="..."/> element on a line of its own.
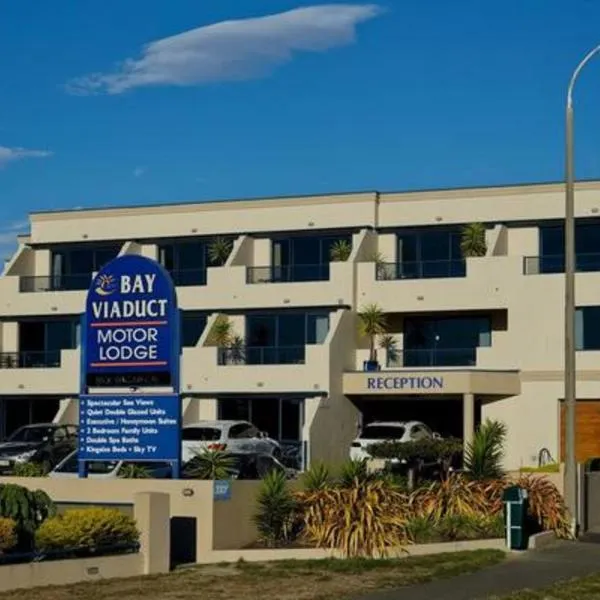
<point x="552" y="247"/>
<point x="192" y="327"/>
<point x="429" y="253"/>
<point x="186" y="261"/>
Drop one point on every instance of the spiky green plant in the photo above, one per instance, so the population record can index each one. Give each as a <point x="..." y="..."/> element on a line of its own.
<point x="472" y="240"/>
<point x="355" y="472"/>
<point x="340" y="251"/>
<point x="372" y="323"/>
<point x="210" y="464"/>
<point x="276" y="516"/>
<point x="317" y="477"/>
<point x="389" y="343"/>
<point x="484" y="454"/>
<point x="134" y="471"/>
<point x="221" y="332"/>
<point x="219" y="249"/>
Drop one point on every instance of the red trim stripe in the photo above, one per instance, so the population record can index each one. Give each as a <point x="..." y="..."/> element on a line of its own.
<point x="128" y="323"/>
<point x="150" y="363"/>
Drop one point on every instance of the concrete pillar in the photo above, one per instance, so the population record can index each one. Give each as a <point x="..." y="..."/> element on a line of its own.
<point x="468" y="419"/>
<point x="152" y="513"/>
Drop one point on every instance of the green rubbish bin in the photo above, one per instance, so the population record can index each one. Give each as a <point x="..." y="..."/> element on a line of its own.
<point x="515" y="503"/>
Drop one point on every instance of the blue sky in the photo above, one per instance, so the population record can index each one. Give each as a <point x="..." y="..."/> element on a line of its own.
<point x="100" y="104"/>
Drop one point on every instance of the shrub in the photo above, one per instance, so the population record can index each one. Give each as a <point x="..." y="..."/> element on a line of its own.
<point x="29" y="469"/>
<point x="484" y="454"/>
<point x="549" y="468"/>
<point x="317" y="477"/>
<point x="362" y="520"/>
<point x="355" y="473"/>
<point x="8" y="534"/>
<point x="86" y="528"/>
<point x="427" y="450"/>
<point x="27" y="509"/>
<point x="275" y="518"/>
<point x="210" y="464"/>
<point x="422" y="530"/>
<point x="134" y="471"/>
<point x="546" y="505"/>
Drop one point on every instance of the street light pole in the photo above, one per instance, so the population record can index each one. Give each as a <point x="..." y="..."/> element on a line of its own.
<point x="570" y="365"/>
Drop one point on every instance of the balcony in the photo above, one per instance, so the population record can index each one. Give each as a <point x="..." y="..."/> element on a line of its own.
<point x="54" y="283"/>
<point x="432" y="357"/>
<point x="43" y="373"/>
<point x="287" y="273"/>
<point x="262" y="355"/>
<point x="538" y="265"/>
<point x="30" y="360"/>
<point x="215" y="371"/>
<point x="427" y="269"/>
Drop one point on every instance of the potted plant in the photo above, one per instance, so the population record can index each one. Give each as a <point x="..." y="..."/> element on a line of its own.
<point x="372" y="323"/>
<point x="231" y="346"/>
<point x="219" y="249"/>
<point x="389" y="343"/>
<point x="340" y="251"/>
<point x="472" y="240"/>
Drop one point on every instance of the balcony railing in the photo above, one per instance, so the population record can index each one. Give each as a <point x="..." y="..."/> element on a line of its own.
<point x="424" y="269"/>
<point x="287" y="273"/>
<point x="433" y="357"/>
<point x="262" y="355"/>
<point x="536" y="265"/>
<point x="189" y="277"/>
<point x="30" y="360"/>
<point x="55" y="283"/>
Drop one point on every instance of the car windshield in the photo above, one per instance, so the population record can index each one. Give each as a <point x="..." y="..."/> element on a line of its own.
<point x="100" y="467"/>
<point x="382" y="432"/>
<point x="31" y="434"/>
<point x="200" y="434"/>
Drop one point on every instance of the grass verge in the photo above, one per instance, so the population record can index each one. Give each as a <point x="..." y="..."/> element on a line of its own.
<point x="283" y="580"/>
<point x="584" y="588"/>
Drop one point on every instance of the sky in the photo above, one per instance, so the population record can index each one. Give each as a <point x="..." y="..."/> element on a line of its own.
<point x="128" y="102"/>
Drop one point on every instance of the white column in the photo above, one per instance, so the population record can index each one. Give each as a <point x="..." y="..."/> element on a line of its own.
<point x="468" y="419"/>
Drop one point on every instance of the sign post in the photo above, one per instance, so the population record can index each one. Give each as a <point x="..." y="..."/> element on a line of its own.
<point x="129" y="403"/>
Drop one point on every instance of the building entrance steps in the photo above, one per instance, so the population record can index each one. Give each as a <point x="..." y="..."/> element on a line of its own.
<point x="534" y="569"/>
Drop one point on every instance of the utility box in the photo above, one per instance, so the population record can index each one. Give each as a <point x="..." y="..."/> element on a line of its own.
<point x="516" y="507"/>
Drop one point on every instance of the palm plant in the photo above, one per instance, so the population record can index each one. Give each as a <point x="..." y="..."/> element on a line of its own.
<point x="372" y="323"/>
<point x="483" y="456"/>
<point x="383" y="269"/>
<point x="134" y="471"/>
<point x="221" y="332"/>
<point x="210" y="464"/>
<point x="275" y="517"/>
<point x="472" y="240"/>
<point x="340" y="251"/>
<point x="389" y="343"/>
<point x="219" y="249"/>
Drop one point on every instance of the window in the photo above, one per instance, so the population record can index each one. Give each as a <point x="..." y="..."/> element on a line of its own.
<point x="192" y="327"/>
<point x="552" y="246"/>
<point x="587" y="328"/>
<point x="429" y="253"/>
<point x="72" y="267"/>
<point x="41" y="342"/>
<point x="200" y="434"/>
<point x="186" y="261"/>
<point x="243" y="431"/>
<point x="382" y="432"/>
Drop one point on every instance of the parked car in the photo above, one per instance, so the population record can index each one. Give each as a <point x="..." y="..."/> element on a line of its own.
<point x="230" y="436"/>
<point x="45" y="444"/>
<point x="109" y="469"/>
<point x="245" y="465"/>
<point x="388" y="431"/>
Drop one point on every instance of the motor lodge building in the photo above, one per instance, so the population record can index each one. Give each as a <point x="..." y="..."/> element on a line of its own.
<point x="473" y="337"/>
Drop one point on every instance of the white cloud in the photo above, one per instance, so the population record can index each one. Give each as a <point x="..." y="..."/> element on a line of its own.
<point x="232" y="50"/>
<point x="13" y="154"/>
<point x="139" y="171"/>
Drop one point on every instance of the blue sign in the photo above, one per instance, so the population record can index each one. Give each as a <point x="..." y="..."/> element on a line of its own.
<point x="131" y="326"/>
<point x="222" y="489"/>
<point x="135" y="428"/>
<point x="405" y="383"/>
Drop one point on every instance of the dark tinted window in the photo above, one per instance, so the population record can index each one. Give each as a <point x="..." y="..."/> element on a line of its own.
<point x="382" y="432"/>
<point x="32" y="434"/>
<point x="192" y="326"/>
<point x="587" y="328"/>
<point x="200" y="434"/>
<point x="243" y="431"/>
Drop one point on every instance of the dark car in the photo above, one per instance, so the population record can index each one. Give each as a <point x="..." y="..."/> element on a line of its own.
<point x="243" y="466"/>
<point x="45" y="444"/>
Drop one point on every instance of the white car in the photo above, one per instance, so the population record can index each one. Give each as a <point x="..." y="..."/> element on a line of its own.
<point x="388" y="431"/>
<point x="227" y="436"/>
<point x="108" y="469"/>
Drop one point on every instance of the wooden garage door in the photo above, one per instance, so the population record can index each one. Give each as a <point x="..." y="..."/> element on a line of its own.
<point x="587" y="439"/>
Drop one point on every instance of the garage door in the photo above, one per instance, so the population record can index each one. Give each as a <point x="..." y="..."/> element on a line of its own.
<point x="587" y="439"/>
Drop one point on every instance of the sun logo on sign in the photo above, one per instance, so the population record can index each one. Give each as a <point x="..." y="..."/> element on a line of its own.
<point x="105" y="285"/>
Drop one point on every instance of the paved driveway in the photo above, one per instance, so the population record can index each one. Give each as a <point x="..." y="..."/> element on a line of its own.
<point x="534" y="569"/>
